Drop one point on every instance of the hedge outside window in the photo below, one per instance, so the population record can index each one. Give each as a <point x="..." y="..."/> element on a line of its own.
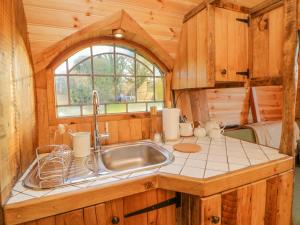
<point x="125" y="81"/>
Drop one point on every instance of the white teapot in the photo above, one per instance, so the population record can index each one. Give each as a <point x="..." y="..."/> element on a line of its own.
<point x="186" y="129"/>
<point x="211" y="124"/>
<point x="199" y="132"/>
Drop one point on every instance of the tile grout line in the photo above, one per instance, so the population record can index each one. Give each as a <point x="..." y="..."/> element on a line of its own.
<point x="264" y="153"/>
<point x="245" y="152"/>
<point x="184" y="161"/>
<point x="227" y="154"/>
<point x="207" y="158"/>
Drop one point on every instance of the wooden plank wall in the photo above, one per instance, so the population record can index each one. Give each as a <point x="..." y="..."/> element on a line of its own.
<point x="17" y="99"/>
<point x="266" y="103"/>
<point x="202" y="105"/>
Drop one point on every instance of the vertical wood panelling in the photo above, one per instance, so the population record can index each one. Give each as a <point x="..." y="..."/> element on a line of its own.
<point x="192" y="52"/>
<point x="267" y="44"/>
<point x="71" y="218"/>
<point x="17" y="99"/>
<point x="210" y="207"/>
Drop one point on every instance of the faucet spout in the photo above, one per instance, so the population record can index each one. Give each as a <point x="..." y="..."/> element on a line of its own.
<point x="97" y="136"/>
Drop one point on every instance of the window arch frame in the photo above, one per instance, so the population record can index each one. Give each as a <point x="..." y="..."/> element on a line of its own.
<point x="138" y="49"/>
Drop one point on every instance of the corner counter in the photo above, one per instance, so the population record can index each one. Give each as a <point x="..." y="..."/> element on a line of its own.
<point x="223" y="171"/>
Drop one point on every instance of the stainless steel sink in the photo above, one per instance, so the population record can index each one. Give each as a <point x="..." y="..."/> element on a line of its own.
<point x="113" y="160"/>
<point x="135" y="156"/>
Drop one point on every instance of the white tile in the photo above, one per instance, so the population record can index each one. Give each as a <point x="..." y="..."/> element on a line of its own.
<point x="269" y="151"/>
<point x="14" y="193"/>
<point x="203" y="147"/>
<point x="239" y="154"/>
<point x="217" y="166"/>
<point x="181" y="154"/>
<point x="217" y="158"/>
<point x="276" y="156"/>
<point x="257" y="161"/>
<point x="233" y="167"/>
<point x="36" y="193"/>
<point x="63" y="190"/>
<point x="238" y="160"/>
<point x="179" y="161"/>
<point x="258" y="156"/>
<point x="198" y="155"/>
<point x="19" y="198"/>
<point x="211" y="173"/>
<point x="190" y="140"/>
<point x="174" y="169"/>
<point x="217" y="148"/>
<point x="204" y="140"/>
<point x="104" y="181"/>
<point x="218" y="152"/>
<point x="192" y="172"/>
<point x="168" y="147"/>
<point x="195" y="163"/>
<point x="19" y="187"/>
<point x="83" y="184"/>
<point x="143" y="173"/>
<point x="123" y="176"/>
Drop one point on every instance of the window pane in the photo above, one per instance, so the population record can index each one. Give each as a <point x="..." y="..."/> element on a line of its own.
<point x="125" y="87"/>
<point x="145" y="61"/>
<point x="68" y="111"/>
<point x="104" y="64"/>
<point x="99" y="49"/>
<point x="142" y="70"/>
<point x="61" y="90"/>
<point x="159" y="89"/>
<point x="88" y="110"/>
<point x="116" y="108"/>
<point x="124" y="65"/>
<point x="144" y="89"/>
<point x="83" y="68"/>
<point x="80" y="90"/>
<point x="159" y="105"/>
<point x="106" y="89"/>
<point x="78" y="57"/>
<point x="61" y="69"/>
<point x="137" y="107"/>
<point x="157" y="72"/>
<point x="124" y="51"/>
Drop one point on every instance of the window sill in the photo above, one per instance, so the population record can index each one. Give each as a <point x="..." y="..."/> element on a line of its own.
<point x="109" y="117"/>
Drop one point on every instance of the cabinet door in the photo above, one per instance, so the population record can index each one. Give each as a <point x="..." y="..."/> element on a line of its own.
<point x="237" y="46"/>
<point x="231" y="40"/>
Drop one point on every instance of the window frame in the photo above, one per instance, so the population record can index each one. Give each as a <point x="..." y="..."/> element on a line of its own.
<point x="53" y="118"/>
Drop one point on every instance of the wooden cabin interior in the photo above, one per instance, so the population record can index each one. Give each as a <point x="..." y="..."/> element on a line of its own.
<point x="149" y="112"/>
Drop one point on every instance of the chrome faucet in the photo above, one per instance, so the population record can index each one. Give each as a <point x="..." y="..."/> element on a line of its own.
<point x="98" y="137"/>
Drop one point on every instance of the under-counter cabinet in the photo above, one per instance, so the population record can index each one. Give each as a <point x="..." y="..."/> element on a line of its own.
<point x="213" y="47"/>
<point x="264" y="202"/>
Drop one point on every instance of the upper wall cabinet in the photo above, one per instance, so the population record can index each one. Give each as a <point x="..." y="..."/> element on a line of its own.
<point x="267" y="36"/>
<point x="213" y="48"/>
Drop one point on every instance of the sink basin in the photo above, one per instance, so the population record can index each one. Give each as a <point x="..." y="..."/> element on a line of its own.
<point x="113" y="160"/>
<point x="135" y="156"/>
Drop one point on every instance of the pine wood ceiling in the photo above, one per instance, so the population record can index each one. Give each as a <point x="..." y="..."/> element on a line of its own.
<point x="52" y="20"/>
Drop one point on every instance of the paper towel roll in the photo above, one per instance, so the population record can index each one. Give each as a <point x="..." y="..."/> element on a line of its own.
<point x="171" y="123"/>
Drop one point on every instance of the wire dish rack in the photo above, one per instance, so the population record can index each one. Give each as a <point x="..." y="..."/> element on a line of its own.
<point x="56" y="166"/>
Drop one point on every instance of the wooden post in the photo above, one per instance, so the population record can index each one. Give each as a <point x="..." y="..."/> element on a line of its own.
<point x="288" y="73"/>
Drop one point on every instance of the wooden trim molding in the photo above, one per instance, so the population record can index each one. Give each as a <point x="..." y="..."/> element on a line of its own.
<point x="265" y="7"/>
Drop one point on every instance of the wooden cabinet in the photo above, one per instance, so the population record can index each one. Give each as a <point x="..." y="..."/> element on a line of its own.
<point x="267" y="44"/>
<point x="213" y="47"/>
<point x="116" y="212"/>
<point x="266" y="202"/>
<point x="231" y="45"/>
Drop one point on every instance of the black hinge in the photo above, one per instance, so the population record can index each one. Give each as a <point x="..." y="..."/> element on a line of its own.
<point x="247" y="21"/>
<point x="244" y="73"/>
<point x="176" y="200"/>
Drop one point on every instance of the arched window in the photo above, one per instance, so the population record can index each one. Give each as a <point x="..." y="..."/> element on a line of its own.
<point x="124" y="79"/>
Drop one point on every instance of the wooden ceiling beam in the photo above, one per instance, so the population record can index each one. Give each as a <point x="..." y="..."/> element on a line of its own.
<point x="265" y="7"/>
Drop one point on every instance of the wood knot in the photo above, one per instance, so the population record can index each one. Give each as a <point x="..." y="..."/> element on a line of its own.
<point x="148" y="185"/>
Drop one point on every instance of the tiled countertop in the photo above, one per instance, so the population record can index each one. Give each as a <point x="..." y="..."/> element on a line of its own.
<point x="217" y="157"/>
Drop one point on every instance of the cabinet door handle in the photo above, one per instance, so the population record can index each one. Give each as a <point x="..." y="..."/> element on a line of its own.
<point x="215" y="219"/>
<point x="223" y="72"/>
<point x="115" y="220"/>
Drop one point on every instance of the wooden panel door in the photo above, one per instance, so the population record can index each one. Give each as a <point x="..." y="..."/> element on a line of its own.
<point x="231" y="41"/>
<point x="192" y="52"/>
<point x="221" y="43"/>
<point x="210" y="209"/>
<point x="237" y="46"/>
